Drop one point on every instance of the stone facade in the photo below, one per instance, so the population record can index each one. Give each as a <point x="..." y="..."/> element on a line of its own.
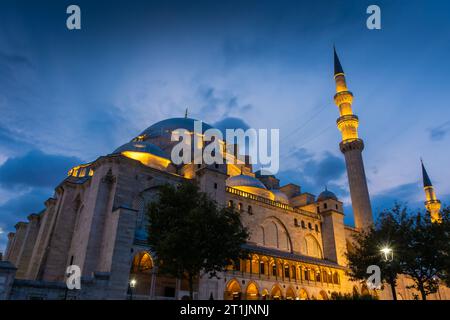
<point x="96" y="220"/>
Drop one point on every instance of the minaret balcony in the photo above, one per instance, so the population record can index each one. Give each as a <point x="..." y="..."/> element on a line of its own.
<point x="351" y="144"/>
<point x="433" y="205"/>
<point x="343" y="97"/>
<point x="349" y="120"/>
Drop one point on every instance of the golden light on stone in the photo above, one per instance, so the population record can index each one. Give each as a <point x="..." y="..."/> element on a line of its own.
<point x="147" y="159"/>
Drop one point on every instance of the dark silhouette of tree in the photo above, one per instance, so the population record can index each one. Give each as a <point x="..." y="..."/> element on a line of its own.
<point x="420" y="249"/>
<point x="190" y="233"/>
<point x="368" y="246"/>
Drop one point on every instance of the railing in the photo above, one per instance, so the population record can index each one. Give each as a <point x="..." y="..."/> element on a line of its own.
<point x="302" y="280"/>
<point x="271" y="202"/>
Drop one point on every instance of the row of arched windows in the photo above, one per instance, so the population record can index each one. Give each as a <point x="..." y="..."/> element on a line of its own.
<point x="303" y="225"/>
<point x="240" y="207"/>
<point x="285" y="270"/>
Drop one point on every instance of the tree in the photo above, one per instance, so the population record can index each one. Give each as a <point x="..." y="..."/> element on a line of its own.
<point x="424" y="255"/>
<point x="421" y="249"/>
<point x="368" y="245"/>
<point x="190" y="233"/>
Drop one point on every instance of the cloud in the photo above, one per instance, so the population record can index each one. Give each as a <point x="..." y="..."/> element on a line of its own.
<point x="14" y="59"/>
<point x="405" y="194"/>
<point x="326" y="170"/>
<point x="18" y="208"/>
<point x="313" y="173"/>
<point x="438" y="133"/>
<point x="223" y="102"/>
<point x="11" y="143"/>
<point x="231" y="123"/>
<point x="35" y="169"/>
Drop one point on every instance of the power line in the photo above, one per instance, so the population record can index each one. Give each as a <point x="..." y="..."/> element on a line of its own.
<point x="306" y="142"/>
<point x="305" y="124"/>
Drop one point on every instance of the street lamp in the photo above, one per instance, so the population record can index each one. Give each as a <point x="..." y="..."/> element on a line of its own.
<point x="388" y="254"/>
<point x="131" y="286"/>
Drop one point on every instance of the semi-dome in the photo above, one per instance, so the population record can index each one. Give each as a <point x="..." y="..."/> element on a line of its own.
<point x="168" y="125"/>
<point x="280" y="196"/>
<point x="146" y="153"/>
<point x="243" y="180"/>
<point x="326" y="194"/>
<point x="249" y="184"/>
<point x="141" y="146"/>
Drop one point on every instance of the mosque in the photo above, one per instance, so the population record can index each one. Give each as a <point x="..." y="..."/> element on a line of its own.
<point x="96" y="220"/>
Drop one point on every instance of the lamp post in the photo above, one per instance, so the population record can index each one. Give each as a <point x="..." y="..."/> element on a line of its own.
<point x="388" y="256"/>
<point x="131" y="286"/>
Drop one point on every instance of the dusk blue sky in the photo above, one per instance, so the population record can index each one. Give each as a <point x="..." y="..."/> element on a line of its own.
<point x="67" y="97"/>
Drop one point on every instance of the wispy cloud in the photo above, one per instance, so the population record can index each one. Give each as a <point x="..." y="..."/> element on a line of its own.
<point x="439" y="132"/>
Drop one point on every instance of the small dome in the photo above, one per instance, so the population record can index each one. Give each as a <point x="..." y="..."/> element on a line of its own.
<point x="141" y="146"/>
<point x="280" y="196"/>
<point x="168" y="125"/>
<point x="244" y="181"/>
<point x="324" y="195"/>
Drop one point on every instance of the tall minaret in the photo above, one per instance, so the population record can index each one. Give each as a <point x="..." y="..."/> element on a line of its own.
<point x="433" y="205"/>
<point x="351" y="146"/>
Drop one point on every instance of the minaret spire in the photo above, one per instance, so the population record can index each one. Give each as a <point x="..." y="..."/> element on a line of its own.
<point x="432" y="204"/>
<point x="186" y="113"/>
<point x="352" y="146"/>
<point x="337" y="64"/>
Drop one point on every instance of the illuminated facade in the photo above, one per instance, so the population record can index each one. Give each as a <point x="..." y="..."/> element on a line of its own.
<point x="97" y="221"/>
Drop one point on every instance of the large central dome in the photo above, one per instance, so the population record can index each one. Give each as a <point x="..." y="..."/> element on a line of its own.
<point x="165" y="127"/>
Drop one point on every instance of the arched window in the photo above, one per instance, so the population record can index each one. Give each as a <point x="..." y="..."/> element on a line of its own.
<point x="295" y="222"/>
<point x="317" y="276"/>
<point x="252" y="292"/>
<point x="276" y="293"/>
<point x="141" y="273"/>
<point x="303" y="295"/>
<point x="249" y="210"/>
<point x="312" y="247"/>
<point x="290" y="294"/>
<point x="294" y="274"/>
<point x="142" y="262"/>
<point x="240" y="207"/>
<point x="310" y="225"/>
<point x="232" y="291"/>
<point x="275" y="235"/>
<point x="336" y="278"/>
<point x="230" y="204"/>
<point x="286" y="272"/>
<point x="303" y="224"/>
<point x="317" y="228"/>
<point x="324" y="276"/>
<point x="262" y="267"/>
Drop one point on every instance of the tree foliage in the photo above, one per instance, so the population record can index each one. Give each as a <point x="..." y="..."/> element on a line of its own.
<point x="420" y="249"/>
<point x="190" y="233"/>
